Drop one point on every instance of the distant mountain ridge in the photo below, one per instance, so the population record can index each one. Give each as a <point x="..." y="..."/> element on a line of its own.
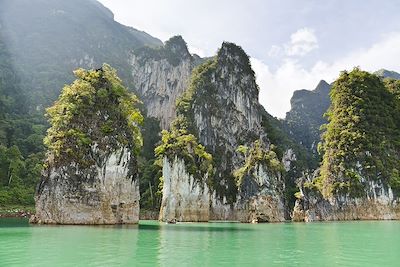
<point x="49" y="39"/>
<point x="306" y="116"/>
<point x="388" y="74"/>
<point x="308" y="107"/>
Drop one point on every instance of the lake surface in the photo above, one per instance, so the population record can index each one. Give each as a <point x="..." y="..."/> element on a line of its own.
<point x="201" y="244"/>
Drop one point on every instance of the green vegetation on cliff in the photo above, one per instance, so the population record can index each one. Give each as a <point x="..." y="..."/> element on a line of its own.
<point x="179" y="142"/>
<point x="254" y="156"/>
<point x="49" y="39"/>
<point x="95" y="112"/>
<point x="216" y="93"/>
<point x="361" y="142"/>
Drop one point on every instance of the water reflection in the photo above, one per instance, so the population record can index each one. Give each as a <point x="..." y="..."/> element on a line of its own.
<point x="81" y="245"/>
<point x="213" y="244"/>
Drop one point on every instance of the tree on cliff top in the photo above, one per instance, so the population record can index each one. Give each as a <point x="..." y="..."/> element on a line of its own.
<point x="95" y="112"/>
<point x="361" y="142"/>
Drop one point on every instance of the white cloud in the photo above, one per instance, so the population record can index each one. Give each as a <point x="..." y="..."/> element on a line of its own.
<point x="275" y="51"/>
<point x="302" y="42"/>
<point x="277" y="87"/>
<point x="195" y="50"/>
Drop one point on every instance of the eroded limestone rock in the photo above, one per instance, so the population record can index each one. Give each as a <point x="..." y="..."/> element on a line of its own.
<point x="184" y="198"/>
<point x="104" y="194"/>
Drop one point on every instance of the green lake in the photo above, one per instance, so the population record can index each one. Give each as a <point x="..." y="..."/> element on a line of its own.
<point x="367" y="243"/>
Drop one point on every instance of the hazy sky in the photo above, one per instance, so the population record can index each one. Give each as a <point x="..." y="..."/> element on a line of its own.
<point x="293" y="44"/>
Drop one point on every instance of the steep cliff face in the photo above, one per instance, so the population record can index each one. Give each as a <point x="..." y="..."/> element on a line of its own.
<point x="185" y="198"/>
<point x="359" y="176"/>
<point x="90" y="175"/>
<point x="377" y="203"/>
<point x="221" y="109"/>
<point x="102" y="194"/>
<point x="306" y="115"/>
<point x="160" y="76"/>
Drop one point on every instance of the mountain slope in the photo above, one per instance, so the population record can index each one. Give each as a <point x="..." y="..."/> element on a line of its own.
<point x="388" y="74"/>
<point x="49" y="38"/>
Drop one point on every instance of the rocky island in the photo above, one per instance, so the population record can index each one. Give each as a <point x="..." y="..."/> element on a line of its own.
<point x="180" y="136"/>
<point x="90" y="175"/>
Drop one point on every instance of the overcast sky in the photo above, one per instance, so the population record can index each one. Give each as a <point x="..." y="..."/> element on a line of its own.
<point x="293" y="43"/>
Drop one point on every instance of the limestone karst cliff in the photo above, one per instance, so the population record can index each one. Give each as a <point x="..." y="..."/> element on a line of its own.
<point x="160" y="75"/>
<point x="359" y="175"/>
<point x="220" y="109"/>
<point x="307" y="115"/>
<point x="90" y="175"/>
<point x="254" y="163"/>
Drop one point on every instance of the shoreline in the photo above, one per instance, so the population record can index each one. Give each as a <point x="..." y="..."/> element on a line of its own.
<point x="17" y="212"/>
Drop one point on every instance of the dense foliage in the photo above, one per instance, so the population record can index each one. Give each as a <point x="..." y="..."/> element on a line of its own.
<point x="200" y="78"/>
<point x="150" y="170"/>
<point x="49" y="39"/>
<point x="21" y="135"/>
<point x="361" y="142"/>
<point x="179" y="142"/>
<point x="257" y="155"/>
<point x="95" y="110"/>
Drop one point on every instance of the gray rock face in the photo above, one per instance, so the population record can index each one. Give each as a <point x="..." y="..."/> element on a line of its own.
<point x="235" y="112"/>
<point x="161" y="75"/>
<point x="261" y="203"/>
<point x="187" y="200"/>
<point x="306" y="115"/>
<point x="102" y="194"/>
<point x="184" y="199"/>
<point x="377" y="203"/>
<point x="225" y="114"/>
<point x="160" y="84"/>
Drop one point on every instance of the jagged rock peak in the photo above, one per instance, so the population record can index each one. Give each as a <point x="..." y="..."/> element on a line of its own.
<point x="323" y="86"/>
<point x="233" y="55"/>
<point x="174" y="50"/>
<point x="161" y="74"/>
<point x="177" y="46"/>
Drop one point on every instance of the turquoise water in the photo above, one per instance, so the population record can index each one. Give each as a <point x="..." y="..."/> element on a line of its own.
<point x="201" y="244"/>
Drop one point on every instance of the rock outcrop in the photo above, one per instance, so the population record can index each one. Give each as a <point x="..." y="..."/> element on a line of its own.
<point x="90" y="175"/>
<point x="161" y="75"/>
<point x="221" y="108"/>
<point x="358" y="178"/>
<point x="378" y="203"/>
<point x="306" y="115"/>
<point x="103" y="194"/>
<point x="185" y="199"/>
